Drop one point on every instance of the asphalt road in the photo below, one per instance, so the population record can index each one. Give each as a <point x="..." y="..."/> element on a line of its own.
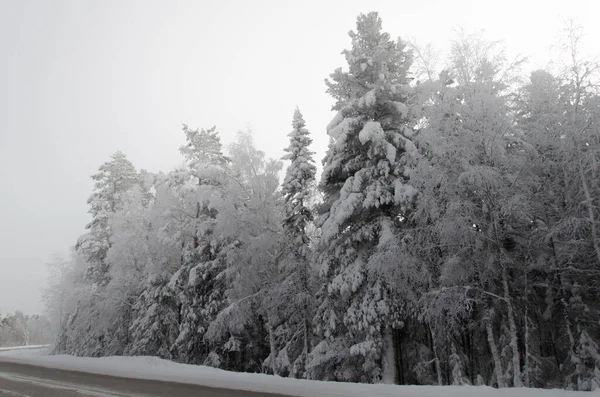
<point x="18" y="380"/>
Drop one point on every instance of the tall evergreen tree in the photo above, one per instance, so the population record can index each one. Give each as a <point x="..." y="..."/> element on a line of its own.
<point x="296" y="274"/>
<point x="200" y="280"/>
<point x="154" y="328"/>
<point x="112" y="181"/>
<point x="299" y="177"/>
<point x="366" y="195"/>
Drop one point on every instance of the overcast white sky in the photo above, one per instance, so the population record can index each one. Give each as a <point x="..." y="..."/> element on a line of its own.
<point x="81" y="79"/>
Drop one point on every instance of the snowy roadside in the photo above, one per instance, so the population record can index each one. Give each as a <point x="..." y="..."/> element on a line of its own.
<point x="43" y="348"/>
<point x="152" y="368"/>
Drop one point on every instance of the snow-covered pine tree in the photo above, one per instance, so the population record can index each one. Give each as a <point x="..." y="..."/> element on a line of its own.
<point x="242" y="336"/>
<point x="200" y="281"/>
<point x="155" y="326"/>
<point x="366" y="196"/>
<point x="204" y="154"/>
<point x="294" y="292"/>
<point x="92" y="331"/>
<point x="299" y="177"/>
<point x="113" y="179"/>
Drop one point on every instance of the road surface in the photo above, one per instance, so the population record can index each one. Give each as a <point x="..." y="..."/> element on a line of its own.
<point x="18" y="380"/>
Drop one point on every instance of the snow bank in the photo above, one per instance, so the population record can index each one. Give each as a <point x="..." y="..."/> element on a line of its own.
<point x="34" y="350"/>
<point x="156" y="369"/>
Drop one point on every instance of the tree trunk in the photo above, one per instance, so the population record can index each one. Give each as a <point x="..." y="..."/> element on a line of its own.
<point x="526" y="322"/>
<point x="447" y="366"/>
<point x="590" y="207"/>
<point x="197" y="232"/>
<point x="469" y="352"/>
<point x="526" y="366"/>
<point x="495" y="354"/>
<point x="273" y="347"/>
<point x="389" y="360"/>
<point x="438" y="367"/>
<point x="306" y="321"/>
<point x="307" y="338"/>
<point x="399" y="357"/>
<point x="567" y="323"/>
<point x="514" y="341"/>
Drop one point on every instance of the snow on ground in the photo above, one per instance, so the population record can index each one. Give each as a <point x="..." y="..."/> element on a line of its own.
<point x="153" y="368"/>
<point x="31" y="350"/>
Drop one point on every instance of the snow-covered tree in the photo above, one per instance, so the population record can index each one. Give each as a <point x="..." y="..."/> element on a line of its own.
<point x="55" y="296"/>
<point x="155" y="314"/>
<point x="250" y="219"/>
<point x="559" y="115"/>
<point x="299" y="177"/>
<point x="80" y="333"/>
<point x="457" y="236"/>
<point x="586" y="363"/>
<point x="199" y="282"/>
<point x="155" y="326"/>
<point x="131" y="256"/>
<point x="294" y="290"/>
<point x="473" y="202"/>
<point x="18" y="329"/>
<point x="365" y="183"/>
<point x="100" y="323"/>
<point x="456" y="363"/>
<point x="13" y="330"/>
<point x="113" y="179"/>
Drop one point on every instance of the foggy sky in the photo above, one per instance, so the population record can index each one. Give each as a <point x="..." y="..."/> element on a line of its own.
<point x="81" y="79"/>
